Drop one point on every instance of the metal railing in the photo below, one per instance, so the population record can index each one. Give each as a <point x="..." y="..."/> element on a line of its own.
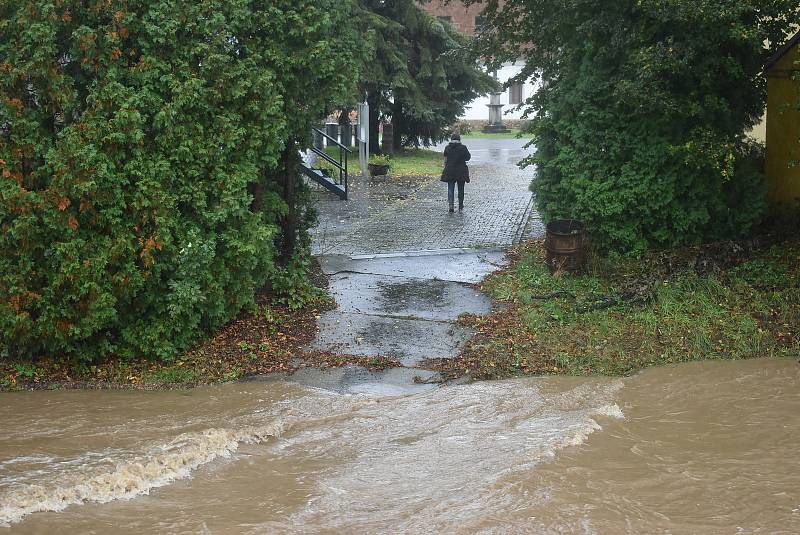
<point x="340" y="164"/>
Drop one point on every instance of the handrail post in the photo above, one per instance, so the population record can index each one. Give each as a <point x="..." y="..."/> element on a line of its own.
<point x="341" y="163"/>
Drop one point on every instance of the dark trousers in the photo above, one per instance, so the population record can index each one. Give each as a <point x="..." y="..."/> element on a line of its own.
<point x="451" y="190"/>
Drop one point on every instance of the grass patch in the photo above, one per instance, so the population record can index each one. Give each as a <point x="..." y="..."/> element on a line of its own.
<point x="173" y="375"/>
<point x="407" y="162"/>
<point x="477" y="134"/>
<point x="713" y="302"/>
<point x="416" y="162"/>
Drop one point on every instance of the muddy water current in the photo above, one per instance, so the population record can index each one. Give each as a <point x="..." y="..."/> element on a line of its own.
<point x="699" y="448"/>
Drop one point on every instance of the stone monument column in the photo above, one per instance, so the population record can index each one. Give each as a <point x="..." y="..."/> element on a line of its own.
<point x="495" y="125"/>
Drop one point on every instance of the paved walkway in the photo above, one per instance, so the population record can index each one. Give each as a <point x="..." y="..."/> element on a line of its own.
<point x="401" y="265"/>
<point x="391" y="216"/>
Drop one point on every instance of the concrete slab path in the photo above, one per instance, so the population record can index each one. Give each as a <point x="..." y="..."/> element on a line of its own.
<point x="409" y="313"/>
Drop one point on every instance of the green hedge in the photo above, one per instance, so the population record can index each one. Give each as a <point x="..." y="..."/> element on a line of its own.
<point x="141" y="148"/>
<point x="639" y="126"/>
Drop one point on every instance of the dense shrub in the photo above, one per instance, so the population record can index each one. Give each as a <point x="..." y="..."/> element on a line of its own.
<point x="143" y="152"/>
<point x="639" y="125"/>
<point x="462" y="128"/>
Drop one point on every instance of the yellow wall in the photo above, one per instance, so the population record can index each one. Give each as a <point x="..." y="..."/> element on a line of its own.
<point x="783" y="130"/>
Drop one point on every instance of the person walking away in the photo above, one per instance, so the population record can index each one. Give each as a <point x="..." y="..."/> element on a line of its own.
<point x="456" y="172"/>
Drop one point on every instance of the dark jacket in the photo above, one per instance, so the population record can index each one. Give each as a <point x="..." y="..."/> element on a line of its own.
<point x="455" y="168"/>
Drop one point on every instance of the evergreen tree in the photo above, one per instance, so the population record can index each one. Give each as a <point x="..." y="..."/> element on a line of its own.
<point x="420" y="74"/>
<point x="147" y="187"/>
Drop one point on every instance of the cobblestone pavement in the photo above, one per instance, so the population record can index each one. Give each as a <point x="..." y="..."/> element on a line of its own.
<point x="391" y="215"/>
<point x="368" y="197"/>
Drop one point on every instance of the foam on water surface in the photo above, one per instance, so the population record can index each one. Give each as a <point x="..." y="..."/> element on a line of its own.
<point x="131" y="477"/>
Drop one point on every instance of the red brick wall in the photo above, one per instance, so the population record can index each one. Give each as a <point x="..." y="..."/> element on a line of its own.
<point x="462" y="17"/>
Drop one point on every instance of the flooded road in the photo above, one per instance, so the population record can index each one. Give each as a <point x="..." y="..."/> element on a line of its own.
<point x="698" y="448"/>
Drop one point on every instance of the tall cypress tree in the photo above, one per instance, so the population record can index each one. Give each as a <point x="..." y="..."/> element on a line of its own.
<point x="420" y="75"/>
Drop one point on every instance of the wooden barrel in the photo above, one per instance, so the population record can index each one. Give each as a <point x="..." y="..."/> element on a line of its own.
<point x="564" y="244"/>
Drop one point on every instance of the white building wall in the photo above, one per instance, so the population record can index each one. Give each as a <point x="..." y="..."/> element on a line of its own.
<point x="759" y="131"/>
<point x="478" y="110"/>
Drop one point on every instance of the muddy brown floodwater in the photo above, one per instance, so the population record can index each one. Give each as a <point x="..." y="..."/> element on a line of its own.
<point x="700" y="448"/>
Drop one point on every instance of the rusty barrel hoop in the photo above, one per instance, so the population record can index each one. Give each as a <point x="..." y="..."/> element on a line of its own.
<point x="564" y="244"/>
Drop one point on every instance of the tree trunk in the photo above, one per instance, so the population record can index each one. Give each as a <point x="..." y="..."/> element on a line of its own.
<point x="397" y="141"/>
<point x="373" y="99"/>
<point x="344" y="116"/>
<point x="289" y="178"/>
<point x="256" y="189"/>
<point x="399" y="126"/>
